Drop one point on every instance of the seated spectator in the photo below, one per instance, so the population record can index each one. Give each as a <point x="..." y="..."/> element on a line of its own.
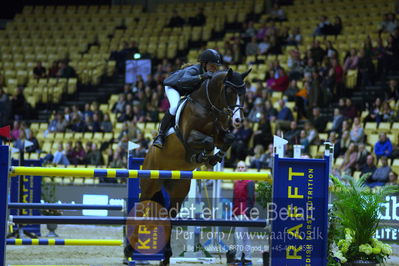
<point x="96" y="124"/>
<point x="303" y="140"/>
<point x="365" y="69"/>
<point x="311" y="133"/>
<point x="392" y="179"/>
<point x="117" y="160"/>
<point x="239" y="148"/>
<point x="58" y="124"/>
<point x="350" y="157"/>
<point x="69" y="151"/>
<point x="15" y="131"/>
<point x="295" y="37"/>
<point x="392" y="90"/>
<point x="284" y="116"/>
<point x="124" y="143"/>
<point x="275" y="46"/>
<point x="35" y="147"/>
<point x="20" y="142"/>
<point x="20" y="107"/>
<point x="323" y="28"/>
<point x="65" y="70"/>
<point x="357" y="132"/>
<point x="361" y="156"/>
<point x="350" y="110"/>
<point x="77" y="124"/>
<point x="389" y="23"/>
<point x="333" y="139"/>
<point x="39" y="71"/>
<point x="94" y="156"/>
<point x="133" y="132"/>
<point x="119" y="106"/>
<point x="255" y="160"/>
<point x="368" y="168"/>
<point x="351" y="60"/>
<point x="176" y="20"/>
<point x="106" y="125"/>
<point x="381" y="174"/>
<point x="141" y="151"/>
<point x="331" y="52"/>
<point x="317" y="120"/>
<point x="53" y="70"/>
<point x="252" y="47"/>
<point x="337" y="26"/>
<point x="386" y="114"/>
<point x="344" y="142"/>
<point x="87" y="111"/>
<point x="383" y="147"/>
<point x="338" y="119"/>
<point x="263" y="135"/>
<point x="292" y="90"/>
<point x="292" y="135"/>
<point x="317" y="53"/>
<point x="60" y="157"/>
<point x="79" y="154"/>
<point x="263" y="45"/>
<point x="256" y="111"/>
<point x="277" y="14"/>
<point x="281" y="83"/>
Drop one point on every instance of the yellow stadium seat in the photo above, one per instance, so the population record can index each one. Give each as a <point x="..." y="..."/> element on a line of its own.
<point x="370" y="127"/>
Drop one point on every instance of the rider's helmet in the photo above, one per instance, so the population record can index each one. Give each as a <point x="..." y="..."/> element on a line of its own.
<point x="210" y="56"/>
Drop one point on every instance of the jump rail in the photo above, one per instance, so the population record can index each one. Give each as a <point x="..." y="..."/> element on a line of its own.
<point x="151" y="174"/>
<point x="133" y="220"/>
<point x="64" y="242"/>
<point x="59" y="206"/>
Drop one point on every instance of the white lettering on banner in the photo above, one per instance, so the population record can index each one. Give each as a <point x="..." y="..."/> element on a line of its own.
<point x="390" y="209"/>
<point x="387" y="233"/>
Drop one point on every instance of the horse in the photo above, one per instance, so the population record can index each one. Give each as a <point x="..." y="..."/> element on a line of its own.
<point x="203" y="125"/>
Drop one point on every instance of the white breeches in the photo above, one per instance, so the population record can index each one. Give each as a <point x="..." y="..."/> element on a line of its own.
<point x="174" y="98"/>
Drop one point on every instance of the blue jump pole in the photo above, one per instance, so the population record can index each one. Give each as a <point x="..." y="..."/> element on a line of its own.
<point x="130" y="220"/>
<point x="4" y="166"/>
<point x="62" y="206"/>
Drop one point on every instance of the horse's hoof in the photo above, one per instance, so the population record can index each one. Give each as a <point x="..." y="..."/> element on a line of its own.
<point x="164" y="263"/>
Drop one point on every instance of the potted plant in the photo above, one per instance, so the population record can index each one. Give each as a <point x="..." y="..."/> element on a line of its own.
<point x="264" y="198"/>
<point x="354" y="222"/>
<point x="48" y="196"/>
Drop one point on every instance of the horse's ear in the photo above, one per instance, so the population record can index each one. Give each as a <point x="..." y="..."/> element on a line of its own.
<point x="243" y="75"/>
<point x="229" y="74"/>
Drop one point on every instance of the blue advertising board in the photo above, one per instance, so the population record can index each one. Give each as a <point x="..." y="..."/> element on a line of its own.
<point x="299" y="212"/>
<point x="28" y="192"/>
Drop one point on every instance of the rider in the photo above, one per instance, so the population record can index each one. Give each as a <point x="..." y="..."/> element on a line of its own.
<point x="184" y="82"/>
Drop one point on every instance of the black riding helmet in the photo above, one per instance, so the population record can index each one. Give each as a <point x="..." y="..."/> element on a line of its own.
<point x="210" y="56"/>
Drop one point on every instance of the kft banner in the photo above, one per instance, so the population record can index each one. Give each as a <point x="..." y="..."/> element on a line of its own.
<point x="299" y="211"/>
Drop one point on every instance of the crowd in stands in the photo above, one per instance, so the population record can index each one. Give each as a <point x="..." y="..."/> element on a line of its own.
<point x="313" y="79"/>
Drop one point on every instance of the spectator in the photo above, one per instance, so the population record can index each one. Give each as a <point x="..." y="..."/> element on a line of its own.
<point x="350" y="157"/>
<point x="176" y="20"/>
<point x="20" y="106"/>
<point x="117" y="160"/>
<point x="351" y="61"/>
<point x="243" y="202"/>
<point x="311" y="133"/>
<point x="317" y="120"/>
<point x="94" y="156"/>
<point x="365" y="69"/>
<point x="386" y="114"/>
<point x="20" y="142"/>
<point x="281" y="83"/>
<point x="284" y="116"/>
<point x="53" y="70"/>
<point x="392" y="179"/>
<point x="5" y="107"/>
<point x="292" y="135"/>
<point x="315" y="92"/>
<point x="78" y="153"/>
<point x="119" y="106"/>
<point x="263" y="46"/>
<point x="255" y="160"/>
<point x="106" y="125"/>
<point x="65" y="70"/>
<point x="15" y="132"/>
<point x="295" y="37"/>
<point x="292" y="90"/>
<point x="383" y="147"/>
<point x="256" y="111"/>
<point x="277" y="14"/>
<point x="357" y="132"/>
<point x="35" y="147"/>
<point x="361" y="156"/>
<point x="323" y="28"/>
<point x="389" y="23"/>
<point x="239" y="148"/>
<point x="77" y="124"/>
<point x="275" y="46"/>
<point x="133" y="131"/>
<point x="381" y="174"/>
<point x="331" y="52"/>
<point x="95" y="125"/>
<point x="344" y="142"/>
<point x="337" y="120"/>
<point x="350" y="110"/>
<point x="263" y="135"/>
<point x="392" y="90"/>
<point x="333" y="139"/>
<point x="60" y="157"/>
<point x="39" y="71"/>
<point x="252" y="47"/>
<point x="87" y="111"/>
<point x="336" y="28"/>
<point x="69" y="151"/>
<point x="303" y="140"/>
<point x="368" y="168"/>
<point x="58" y="124"/>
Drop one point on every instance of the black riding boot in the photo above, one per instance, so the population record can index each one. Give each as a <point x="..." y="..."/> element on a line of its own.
<point x="166" y="123"/>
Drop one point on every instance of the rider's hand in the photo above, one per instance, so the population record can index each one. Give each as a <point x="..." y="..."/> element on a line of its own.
<point x="206" y="75"/>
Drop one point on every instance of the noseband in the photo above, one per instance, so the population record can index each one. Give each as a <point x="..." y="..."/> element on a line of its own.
<point x="228" y="110"/>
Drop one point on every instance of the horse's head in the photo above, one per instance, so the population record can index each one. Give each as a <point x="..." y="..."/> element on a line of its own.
<point x="229" y="90"/>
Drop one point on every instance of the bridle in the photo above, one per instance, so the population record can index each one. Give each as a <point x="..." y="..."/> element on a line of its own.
<point x="228" y="110"/>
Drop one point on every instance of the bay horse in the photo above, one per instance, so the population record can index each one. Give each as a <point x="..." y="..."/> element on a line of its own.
<point x="204" y="124"/>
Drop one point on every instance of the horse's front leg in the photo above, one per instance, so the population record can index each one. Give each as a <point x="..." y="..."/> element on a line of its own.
<point x="226" y="138"/>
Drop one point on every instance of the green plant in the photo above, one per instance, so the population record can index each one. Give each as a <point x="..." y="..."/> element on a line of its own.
<point x="264" y="191"/>
<point x="357" y="209"/>
<point x="48" y="196"/>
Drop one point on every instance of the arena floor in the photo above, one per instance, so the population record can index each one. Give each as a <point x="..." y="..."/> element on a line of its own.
<point x="112" y="256"/>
